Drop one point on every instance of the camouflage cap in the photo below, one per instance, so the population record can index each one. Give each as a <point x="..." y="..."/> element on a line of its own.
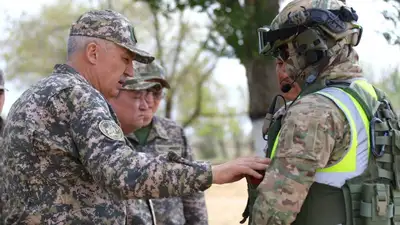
<point x="137" y="83"/>
<point x="2" y="80"/>
<point x="152" y="71"/>
<point x="112" y="26"/>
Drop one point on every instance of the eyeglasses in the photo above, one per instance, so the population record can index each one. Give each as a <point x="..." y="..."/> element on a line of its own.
<point x="150" y="94"/>
<point x="156" y="94"/>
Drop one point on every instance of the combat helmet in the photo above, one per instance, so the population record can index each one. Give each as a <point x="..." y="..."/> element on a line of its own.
<point x="306" y="34"/>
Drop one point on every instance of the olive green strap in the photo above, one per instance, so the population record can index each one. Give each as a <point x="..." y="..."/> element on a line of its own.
<point x="348" y="205"/>
<point x="386" y="158"/>
<point x="366" y="210"/>
<point x="382" y="173"/>
<point x="396" y="202"/>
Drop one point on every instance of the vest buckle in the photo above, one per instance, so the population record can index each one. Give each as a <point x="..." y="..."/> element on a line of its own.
<point x="381" y="200"/>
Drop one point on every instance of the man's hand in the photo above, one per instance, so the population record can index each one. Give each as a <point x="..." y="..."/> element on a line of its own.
<point x="235" y="170"/>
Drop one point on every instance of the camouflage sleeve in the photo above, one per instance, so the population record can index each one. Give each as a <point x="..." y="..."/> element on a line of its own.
<point x="194" y="205"/>
<point x="113" y="164"/>
<point x="308" y="134"/>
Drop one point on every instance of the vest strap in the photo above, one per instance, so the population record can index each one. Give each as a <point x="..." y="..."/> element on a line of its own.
<point x="366" y="209"/>
<point x="386" y="158"/>
<point x="382" y="140"/>
<point x="396" y="203"/>
<point x="385" y="173"/>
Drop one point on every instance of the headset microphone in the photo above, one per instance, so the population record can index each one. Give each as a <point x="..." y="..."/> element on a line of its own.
<point x="287" y="87"/>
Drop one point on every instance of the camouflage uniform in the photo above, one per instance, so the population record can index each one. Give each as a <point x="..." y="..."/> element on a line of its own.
<point x="314" y="134"/>
<point x="139" y="211"/>
<point x="165" y="135"/>
<point x="66" y="156"/>
<point x="304" y="146"/>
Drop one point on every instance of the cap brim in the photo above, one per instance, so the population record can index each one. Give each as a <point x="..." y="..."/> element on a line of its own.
<point x="140" y="55"/>
<point x="140" y="86"/>
<point x="147" y="85"/>
<point x="163" y="82"/>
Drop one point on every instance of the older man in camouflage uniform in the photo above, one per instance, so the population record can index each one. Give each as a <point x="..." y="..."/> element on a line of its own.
<point x="130" y="105"/>
<point x="303" y="184"/>
<point x="158" y="136"/>
<point x="66" y="158"/>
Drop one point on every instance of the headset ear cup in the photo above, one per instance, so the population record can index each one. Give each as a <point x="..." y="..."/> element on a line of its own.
<point x="311" y="57"/>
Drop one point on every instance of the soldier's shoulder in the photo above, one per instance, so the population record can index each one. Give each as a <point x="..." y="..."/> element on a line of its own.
<point x="67" y="89"/>
<point x="167" y="123"/>
<point x="316" y="107"/>
<point x="314" y="103"/>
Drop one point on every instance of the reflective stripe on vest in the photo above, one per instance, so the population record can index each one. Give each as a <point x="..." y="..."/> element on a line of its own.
<point x="355" y="161"/>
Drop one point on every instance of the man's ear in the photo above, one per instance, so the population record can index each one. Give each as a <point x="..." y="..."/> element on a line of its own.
<point x="92" y="50"/>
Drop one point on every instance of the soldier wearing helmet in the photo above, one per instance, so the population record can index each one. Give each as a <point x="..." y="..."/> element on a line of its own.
<point x="320" y="171"/>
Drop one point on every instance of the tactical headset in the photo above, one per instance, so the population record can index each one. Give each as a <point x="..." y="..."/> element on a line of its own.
<point x="311" y="45"/>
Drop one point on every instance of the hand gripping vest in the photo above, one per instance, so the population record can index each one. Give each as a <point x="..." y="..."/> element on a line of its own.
<point x="361" y="188"/>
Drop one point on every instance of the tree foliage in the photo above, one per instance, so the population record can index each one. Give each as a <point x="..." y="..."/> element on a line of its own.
<point x="391" y="86"/>
<point x="392" y="13"/>
<point x="35" y="43"/>
<point x="235" y="23"/>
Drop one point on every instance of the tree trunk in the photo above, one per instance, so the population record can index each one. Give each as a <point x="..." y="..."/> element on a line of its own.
<point x="110" y="4"/>
<point x="223" y="149"/>
<point x="263" y="86"/>
<point x="238" y="147"/>
<point x="168" y="107"/>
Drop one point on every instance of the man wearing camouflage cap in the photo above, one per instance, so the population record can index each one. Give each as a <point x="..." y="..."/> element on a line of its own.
<point x="130" y="104"/>
<point x="66" y="157"/>
<point x="328" y="166"/>
<point x="160" y="135"/>
<point x="130" y="107"/>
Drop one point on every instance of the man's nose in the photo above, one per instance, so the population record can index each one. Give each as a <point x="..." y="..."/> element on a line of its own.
<point x="129" y="70"/>
<point x="150" y="99"/>
<point x="143" y="104"/>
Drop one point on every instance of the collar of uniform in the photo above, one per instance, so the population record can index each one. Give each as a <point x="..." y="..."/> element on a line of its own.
<point x="157" y="130"/>
<point x="132" y="137"/>
<point x="67" y="69"/>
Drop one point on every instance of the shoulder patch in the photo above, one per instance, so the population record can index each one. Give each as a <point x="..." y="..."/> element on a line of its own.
<point x="111" y="129"/>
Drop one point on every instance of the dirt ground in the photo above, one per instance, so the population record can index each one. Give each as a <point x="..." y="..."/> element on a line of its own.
<point x="225" y="203"/>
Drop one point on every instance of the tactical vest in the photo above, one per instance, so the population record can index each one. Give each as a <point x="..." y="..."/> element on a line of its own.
<point x="361" y="188"/>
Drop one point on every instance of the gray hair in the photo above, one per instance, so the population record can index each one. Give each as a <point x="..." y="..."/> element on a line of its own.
<point x="77" y="43"/>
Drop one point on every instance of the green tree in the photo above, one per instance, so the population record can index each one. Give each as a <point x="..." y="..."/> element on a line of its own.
<point x="391" y="86"/>
<point x="235" y="23"/>
<point x="35" y="43"/>
<point x="392" y="13"/>
<point x="218" y="124"/>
